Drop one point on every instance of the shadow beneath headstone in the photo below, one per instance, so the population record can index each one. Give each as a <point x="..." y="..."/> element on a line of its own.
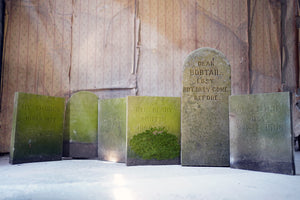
<point x="297" y="162"/>
<point x="4" y="159"/>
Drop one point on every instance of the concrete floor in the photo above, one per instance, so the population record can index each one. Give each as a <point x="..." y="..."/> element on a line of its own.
<point x="94" y="179"/>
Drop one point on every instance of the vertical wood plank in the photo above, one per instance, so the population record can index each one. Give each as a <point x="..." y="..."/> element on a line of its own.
<point x="265" y="46"/>
<point x="102" y="50"/>
<point x="195" y="24"/>
<point x="32" y="58"/>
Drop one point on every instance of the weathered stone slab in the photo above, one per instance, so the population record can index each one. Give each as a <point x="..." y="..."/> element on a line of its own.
<point x="112" y="130"/>
<point x="37" y="131"/>
<point x="261" y="133"/>
<point x="204" y="109"/>
<point x="153" y="130"/>
<point x="81" y="126"/>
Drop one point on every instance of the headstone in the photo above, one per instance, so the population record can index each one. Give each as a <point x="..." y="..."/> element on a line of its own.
<point x="261" y="133"/>
<point x="81" y="126"/>
<point x="112" y="130"/>
<point x="204" y="109"/>
<point x="37" y="130"/>
<point x="153" y="130"/>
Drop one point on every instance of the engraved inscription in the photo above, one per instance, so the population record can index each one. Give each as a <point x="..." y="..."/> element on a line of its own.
<point x="204" y="79"/>
<point x="205" y="97"/>
<point x="258" y="115"/>
<point x="205" y="85"/>
<point x="203" y="72"/>
<point x="152" y="115"/>
<point x="37" y="112"/>
<point x="48" y="108"/>
<point x="207" y="63"/>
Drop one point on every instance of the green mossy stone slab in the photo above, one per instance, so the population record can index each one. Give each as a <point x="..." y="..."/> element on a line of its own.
<point x="81" y="126"/>
<point x="144" y="112"/>
<point x="204" y="109"/>
<point x="261" y="136"/>
<point x="112" y="130"/>
<point x="37" y="131"/>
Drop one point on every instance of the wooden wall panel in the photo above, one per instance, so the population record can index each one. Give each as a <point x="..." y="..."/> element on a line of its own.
<point x="273" y="46"/>
<point x="102" y="45"/>
<point x="36" y="54"/>
<point x="265" y="49"/>
<point x="171" y="29"/>
<point x="116" y="48"/>
<point x="273" y="53"/>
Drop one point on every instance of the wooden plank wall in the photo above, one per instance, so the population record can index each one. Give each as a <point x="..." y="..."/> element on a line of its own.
<point x="116" y="48"/>
<point x="36" y="54"/>
<point x="102" y="45"/>
<point x="265" y="49"/>
<point x="273" y="46"/>
<point x="171" y="29"/>
<point x="273" y="51"/>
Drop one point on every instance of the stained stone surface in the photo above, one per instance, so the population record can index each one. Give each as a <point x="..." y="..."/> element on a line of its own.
<point x="260" y="133"/>
<point x="37" y="131"/>
<point x="81" y="126"/>
<point x="204" y="109"/>
<point x="112" y="130"/>
<point x="144" y="113"/>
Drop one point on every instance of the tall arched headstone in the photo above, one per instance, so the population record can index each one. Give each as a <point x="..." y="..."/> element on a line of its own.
<point x="81" y="126"/>
<point x="204" y="109"/>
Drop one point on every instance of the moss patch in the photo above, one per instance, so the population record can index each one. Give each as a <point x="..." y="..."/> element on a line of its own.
<point x="155" y="143"/>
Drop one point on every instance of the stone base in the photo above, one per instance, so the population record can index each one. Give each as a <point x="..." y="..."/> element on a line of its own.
<point x="35" y="159"/>
<point x="133" y="162"/>
<point x="113" y="156"/>
<point x="263" y="166"/>
<point x="81" y="150"/>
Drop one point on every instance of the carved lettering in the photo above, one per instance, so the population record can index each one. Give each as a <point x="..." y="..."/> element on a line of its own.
<point x="273" y="127"/>
<point x="204" y="72"/>
<point x="204" y="81"/>
<point x="48" y="108"/>
<point x="39" y="118"/>
<point x="219" y="89"/>
<point x="206" y="97"/>
<point x="139" y="109"/>
<point x="207" y="63"/>
<point x="153" y="119"/>
<point x="196" y="89"/>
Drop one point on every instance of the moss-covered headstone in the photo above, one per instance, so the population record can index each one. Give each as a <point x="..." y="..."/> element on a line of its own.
<point x="37" y="131"/>
<point x="261" y="136"/>
<point x="204" y="109"/>
<point x="153" y="130"/>
<point x="81" y="126"/>
<point x="112" y="130"/>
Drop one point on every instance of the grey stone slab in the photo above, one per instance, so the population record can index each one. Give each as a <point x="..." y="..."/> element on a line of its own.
<point x="204" y="109"/>
<point x="112" y="130"/>
<point x="261" y="136"/>
<point x="37" y="131"/>
<point x="153" y="130"/>
<point x="81" y="126"/>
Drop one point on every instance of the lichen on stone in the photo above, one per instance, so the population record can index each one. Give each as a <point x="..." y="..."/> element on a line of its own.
<point x="155" y="143"/>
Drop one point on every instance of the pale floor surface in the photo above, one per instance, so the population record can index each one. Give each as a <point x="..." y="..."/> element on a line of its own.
<point x="93" y="179"/>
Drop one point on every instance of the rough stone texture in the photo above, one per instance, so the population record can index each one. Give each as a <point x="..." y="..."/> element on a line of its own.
<point x="204" y="109"/>
<point x="112" y="130"/>
<point x="37" y="128"/>
<point x="261" y="133"/>
<point x="81" y="126"/>
<point x="147" y="112"/>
